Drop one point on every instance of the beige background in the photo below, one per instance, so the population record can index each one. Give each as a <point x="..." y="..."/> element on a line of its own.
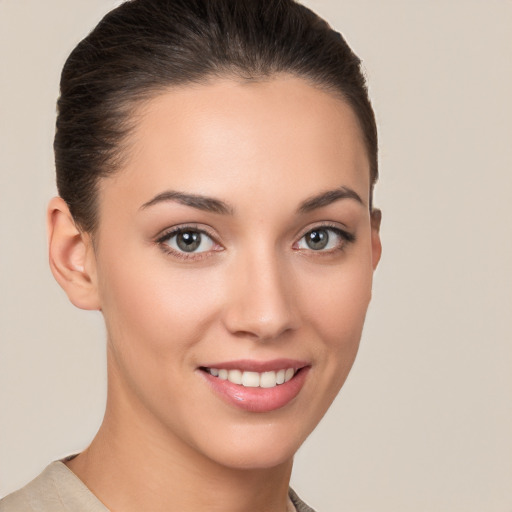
<point x="424" y="422"/>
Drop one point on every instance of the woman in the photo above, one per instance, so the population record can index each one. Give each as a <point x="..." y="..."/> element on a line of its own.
<point x="215" y="165"/>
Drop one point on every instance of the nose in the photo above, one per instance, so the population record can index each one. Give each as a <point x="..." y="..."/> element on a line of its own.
<point x="261" y="302"/>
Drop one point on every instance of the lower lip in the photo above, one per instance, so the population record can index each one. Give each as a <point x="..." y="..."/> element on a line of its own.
<point x="258" y="399"/>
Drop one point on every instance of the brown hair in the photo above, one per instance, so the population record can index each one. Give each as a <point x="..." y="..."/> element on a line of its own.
<point x="146" y="46"/>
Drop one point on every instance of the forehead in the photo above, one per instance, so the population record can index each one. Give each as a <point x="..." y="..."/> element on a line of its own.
<point x="227" y="135"/>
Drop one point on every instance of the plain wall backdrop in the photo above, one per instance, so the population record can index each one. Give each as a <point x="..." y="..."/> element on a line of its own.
<point x="424" y="421"/>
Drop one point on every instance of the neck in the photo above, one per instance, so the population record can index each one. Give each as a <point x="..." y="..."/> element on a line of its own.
<point x="134" y="464"/>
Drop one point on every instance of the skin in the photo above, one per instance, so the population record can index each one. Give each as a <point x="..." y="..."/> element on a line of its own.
<point x="257" y="292"/>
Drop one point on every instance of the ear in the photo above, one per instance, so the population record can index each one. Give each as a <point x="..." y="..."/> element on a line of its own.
<point x="72" y="257"/>
<point x="375" y="220"/>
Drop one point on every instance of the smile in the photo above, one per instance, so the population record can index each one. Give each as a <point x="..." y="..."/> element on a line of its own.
<point x="256" y="386"/>
<point x="249" y="379"/>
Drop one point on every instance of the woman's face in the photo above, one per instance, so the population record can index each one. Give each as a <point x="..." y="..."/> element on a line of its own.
<point x="236" y="241"/>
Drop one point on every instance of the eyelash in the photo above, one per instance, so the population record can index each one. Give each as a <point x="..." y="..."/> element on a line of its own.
<point x="183" y="255"/>
<point x="346" y="237"/>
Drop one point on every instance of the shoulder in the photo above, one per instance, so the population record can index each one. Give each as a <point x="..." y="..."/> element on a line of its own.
<point x="300" y="506"/>
<point x="40" y="495"/>
<point x="56" y="489"/>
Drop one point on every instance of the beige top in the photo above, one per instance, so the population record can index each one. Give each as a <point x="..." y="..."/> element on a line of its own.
<point x="58" y="489"/>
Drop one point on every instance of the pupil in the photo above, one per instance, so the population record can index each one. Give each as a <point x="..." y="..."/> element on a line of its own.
<point x="188" y="241"/>
<point x="318" y="239"/>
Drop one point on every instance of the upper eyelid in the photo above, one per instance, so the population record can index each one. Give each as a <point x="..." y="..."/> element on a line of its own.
<point x="325" y="225"/>
<point x="168" y="232"/>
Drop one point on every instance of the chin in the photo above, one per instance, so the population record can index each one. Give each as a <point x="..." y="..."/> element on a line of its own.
<point x="249" y="447"/>
<point x="240" y="458"/>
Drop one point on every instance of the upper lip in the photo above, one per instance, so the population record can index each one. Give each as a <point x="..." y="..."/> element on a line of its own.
<point x="250" y="365"/>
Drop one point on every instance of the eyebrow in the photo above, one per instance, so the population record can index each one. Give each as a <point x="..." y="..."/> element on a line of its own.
<point x="208" y="204"/>
<point x="328" y="197"/>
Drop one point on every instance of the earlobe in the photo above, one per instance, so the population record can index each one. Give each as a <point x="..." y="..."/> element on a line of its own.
<point x="71" y="255"/>
<point x="375" y="219"/>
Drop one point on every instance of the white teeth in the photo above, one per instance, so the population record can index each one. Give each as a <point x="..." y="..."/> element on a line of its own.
<point x="254" y="379"/>
<point x="251" y="379"/>
<point x="289" y="374"/>
<point x="235" y="376"/>
<point x="268" y="380"/>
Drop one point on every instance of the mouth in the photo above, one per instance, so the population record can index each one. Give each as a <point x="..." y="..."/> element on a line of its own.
<point x="256" y="386"/>
<point x="249" y="379"/>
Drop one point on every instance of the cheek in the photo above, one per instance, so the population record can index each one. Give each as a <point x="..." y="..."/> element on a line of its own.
<point x="337" y="303"/>
<point x="335" y="307"/>
<point x="156" y="319"/>
<point x="157" y="310"/>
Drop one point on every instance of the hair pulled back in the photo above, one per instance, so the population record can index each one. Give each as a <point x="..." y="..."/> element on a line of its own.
<point x="143" y="47"/>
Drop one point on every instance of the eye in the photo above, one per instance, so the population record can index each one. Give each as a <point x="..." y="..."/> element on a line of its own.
<point x="324" y="239"/>
<point x="187" y="241"/>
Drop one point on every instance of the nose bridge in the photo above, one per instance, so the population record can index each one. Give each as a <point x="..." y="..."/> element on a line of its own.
<point x="261" y="303"/>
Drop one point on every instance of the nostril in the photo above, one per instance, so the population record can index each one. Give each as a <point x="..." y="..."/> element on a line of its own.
<point x="262" y="333"/>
